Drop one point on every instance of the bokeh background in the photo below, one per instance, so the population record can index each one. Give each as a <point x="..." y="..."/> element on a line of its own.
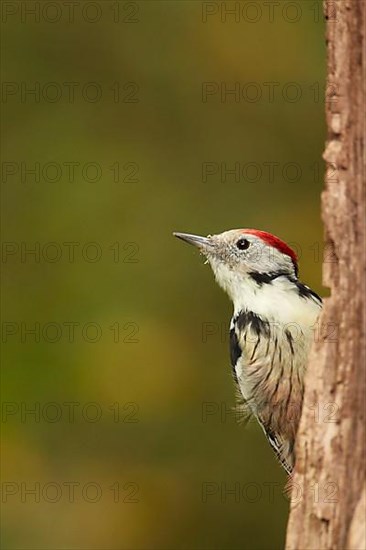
<point x="152" y="448"/>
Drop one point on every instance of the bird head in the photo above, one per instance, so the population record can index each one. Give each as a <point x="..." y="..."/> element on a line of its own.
<point x="241" y="255"/>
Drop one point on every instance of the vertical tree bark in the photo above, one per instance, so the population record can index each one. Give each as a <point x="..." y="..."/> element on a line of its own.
<point x="328" y="507"/>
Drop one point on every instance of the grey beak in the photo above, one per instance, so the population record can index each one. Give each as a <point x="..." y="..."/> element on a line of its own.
<point x="200" y="242"/>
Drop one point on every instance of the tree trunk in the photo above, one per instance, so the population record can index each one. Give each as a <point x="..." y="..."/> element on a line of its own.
<point x="328" y="507"/>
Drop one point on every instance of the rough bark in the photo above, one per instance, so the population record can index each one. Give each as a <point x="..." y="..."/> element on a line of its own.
<point x="328" y="507"/>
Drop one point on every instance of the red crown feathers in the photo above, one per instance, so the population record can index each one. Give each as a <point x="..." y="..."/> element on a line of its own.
<point x="271" y="240"/>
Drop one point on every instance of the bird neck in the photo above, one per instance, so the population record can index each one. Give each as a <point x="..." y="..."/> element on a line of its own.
<point x="280" y="299"/>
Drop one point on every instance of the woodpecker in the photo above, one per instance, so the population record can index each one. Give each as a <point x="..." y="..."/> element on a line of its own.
<point x="271" y="329"/>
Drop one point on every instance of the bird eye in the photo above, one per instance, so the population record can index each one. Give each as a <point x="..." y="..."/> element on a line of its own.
<point x="243" y="244"/>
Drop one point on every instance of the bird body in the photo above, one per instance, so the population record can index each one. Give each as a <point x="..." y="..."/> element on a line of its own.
<point x="271" y="330"/>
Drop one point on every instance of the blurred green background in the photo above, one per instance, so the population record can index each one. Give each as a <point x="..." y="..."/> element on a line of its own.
<point x="153" y="448"/>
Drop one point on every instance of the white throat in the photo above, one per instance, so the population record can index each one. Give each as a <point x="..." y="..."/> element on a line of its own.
<point x="278" y="301"/>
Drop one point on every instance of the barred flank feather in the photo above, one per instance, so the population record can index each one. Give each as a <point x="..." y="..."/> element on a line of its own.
<point x="267" y="371"/>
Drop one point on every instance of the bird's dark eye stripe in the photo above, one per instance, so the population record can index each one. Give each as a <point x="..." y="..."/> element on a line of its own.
<point x="243" y="244"/>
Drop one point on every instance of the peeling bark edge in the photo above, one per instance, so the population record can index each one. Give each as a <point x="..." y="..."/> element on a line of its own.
<point x="328" y="497"/>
